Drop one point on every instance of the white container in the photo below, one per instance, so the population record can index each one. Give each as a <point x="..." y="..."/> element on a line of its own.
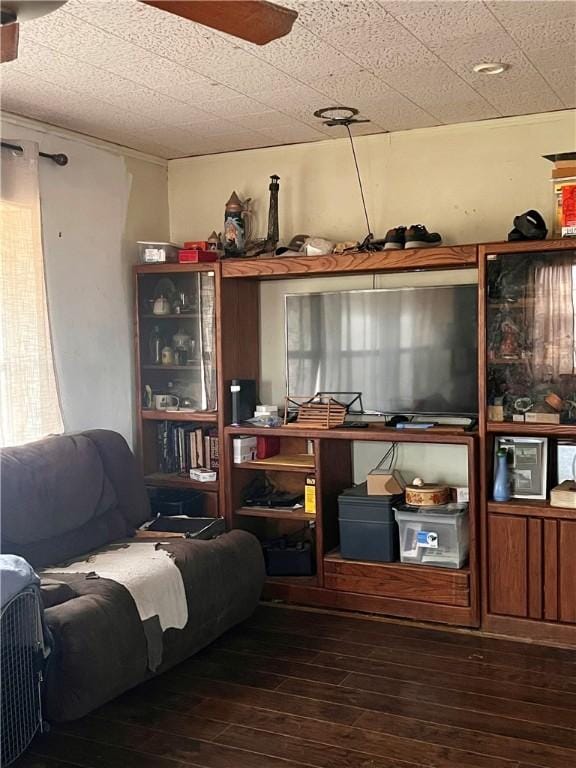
<point x="266" y="410"/>
<point x="244" y="449"/>
<point x="157" y="253"/>
<point x="203" y="475"/>
<point x="434" y="535"/>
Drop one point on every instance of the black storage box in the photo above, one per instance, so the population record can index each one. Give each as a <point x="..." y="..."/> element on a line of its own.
<point x="175" y="501"/>
<point x="368" y="529"/>
<point x="284" y="558"/>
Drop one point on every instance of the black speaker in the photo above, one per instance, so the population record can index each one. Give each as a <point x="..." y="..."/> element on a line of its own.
<point x="243" y="399"/>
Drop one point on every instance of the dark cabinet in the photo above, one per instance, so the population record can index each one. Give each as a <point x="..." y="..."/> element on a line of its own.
<point x="532" y="568"/>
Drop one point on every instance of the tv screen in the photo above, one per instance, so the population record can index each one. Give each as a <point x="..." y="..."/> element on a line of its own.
<point x="408" y="350"/>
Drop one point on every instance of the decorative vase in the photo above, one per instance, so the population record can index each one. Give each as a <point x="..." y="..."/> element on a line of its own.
<point x="236" y="225"/>
<point x="501" y="490"/>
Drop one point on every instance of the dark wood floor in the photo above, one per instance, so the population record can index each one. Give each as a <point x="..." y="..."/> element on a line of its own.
<point x="293" y="688"/>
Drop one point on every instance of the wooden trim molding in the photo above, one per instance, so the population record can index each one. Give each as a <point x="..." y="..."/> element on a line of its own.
<point x="443" y="257"/>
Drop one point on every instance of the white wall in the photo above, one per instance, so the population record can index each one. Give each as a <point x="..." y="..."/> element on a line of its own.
<point x="467" y="181"/>
<point x="93" y="211"/>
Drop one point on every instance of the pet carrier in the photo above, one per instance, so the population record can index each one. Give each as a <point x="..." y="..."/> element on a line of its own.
<point x="22" y="657"/>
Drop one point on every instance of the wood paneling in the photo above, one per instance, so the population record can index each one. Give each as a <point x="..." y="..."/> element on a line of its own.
<point x="419" y="610"/>
<point x="443" y="257"/>
<point x="535" y="569"/>
<point x="550" y="571"/>
<point x="567" y="571"/>
<point x="508" y="565"/>
<point x="398" y="580"/>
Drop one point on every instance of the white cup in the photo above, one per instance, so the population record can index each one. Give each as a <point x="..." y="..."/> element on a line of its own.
<point x="161" y="402"/>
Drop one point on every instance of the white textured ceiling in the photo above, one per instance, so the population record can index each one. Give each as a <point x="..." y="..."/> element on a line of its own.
<point x="122" y="71"/>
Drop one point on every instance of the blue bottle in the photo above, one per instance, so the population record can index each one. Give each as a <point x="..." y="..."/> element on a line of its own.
<point x="501" y="490"/>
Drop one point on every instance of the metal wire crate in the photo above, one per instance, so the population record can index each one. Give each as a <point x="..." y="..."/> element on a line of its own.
<point x="21" y="664"/>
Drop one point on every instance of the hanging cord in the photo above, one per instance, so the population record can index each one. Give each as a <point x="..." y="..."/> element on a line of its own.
<point x="369" y="236"/>
<point x="388" y="461"/>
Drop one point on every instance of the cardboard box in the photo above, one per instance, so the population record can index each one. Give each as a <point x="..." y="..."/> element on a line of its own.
<point x="459" y="494"/>
<point x="385" y="483"/>
<point x="542" y="418"/>
<point x="310" y="496"/>
<point x="194" y="256"/>
<point x="245" y="449"/>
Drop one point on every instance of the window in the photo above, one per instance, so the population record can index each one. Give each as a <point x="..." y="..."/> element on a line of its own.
<point x="29" y="405"/>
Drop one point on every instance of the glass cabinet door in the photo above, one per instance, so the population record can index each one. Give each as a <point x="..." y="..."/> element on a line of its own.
<point x="531" y="333"/>
<point x="177" y="327"/>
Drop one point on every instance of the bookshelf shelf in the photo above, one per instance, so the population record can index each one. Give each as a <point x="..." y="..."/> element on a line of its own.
<point x="282" y="463"/>
<point x="275" y="513"/>
<point x="177" y="480"/>
<point x="203" y="416"/>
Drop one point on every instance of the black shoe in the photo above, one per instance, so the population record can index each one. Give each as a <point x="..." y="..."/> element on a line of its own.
<point x="395" y="239"/>
<point x="528" y="226"/>
<point x="417" y="236"/>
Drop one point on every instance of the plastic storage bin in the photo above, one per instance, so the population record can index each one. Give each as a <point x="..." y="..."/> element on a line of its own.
<point x="434" y="535"/>
<point x="368" y="529"/>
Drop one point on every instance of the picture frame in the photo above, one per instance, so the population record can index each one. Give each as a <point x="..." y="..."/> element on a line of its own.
<point x="528" y="465"/>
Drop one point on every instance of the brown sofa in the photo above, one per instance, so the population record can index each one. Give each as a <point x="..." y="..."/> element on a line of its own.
<point x="69" y="495"/>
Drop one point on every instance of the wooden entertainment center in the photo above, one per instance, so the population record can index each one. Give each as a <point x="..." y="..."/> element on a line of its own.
<point x="521" y="575"/>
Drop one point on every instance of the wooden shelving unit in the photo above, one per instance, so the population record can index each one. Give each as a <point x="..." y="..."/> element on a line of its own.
<point x="397" y="589"/>
<point x="511" y="545"/>
<point x="528" y="569"/>
<point x="191" y="279"/>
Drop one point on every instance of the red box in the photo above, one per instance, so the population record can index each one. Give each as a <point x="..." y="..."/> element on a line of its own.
<point x="267" y="446"/>
<point x="198" y="245"/>
<point x="195" y="255"/>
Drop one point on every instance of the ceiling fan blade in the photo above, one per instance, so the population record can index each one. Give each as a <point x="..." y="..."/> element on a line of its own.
<point x="9" y="41"/>
<point x="256" y="21"/>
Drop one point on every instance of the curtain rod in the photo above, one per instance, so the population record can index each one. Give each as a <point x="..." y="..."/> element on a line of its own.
<point x="59" y="159"/>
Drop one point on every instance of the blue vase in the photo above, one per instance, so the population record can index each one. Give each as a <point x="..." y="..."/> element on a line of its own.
<point x="501" y="490"/>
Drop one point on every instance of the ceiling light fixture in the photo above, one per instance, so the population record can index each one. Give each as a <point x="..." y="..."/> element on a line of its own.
<point x="347" y="116"/>
<point x="490" y="68"/>
<point x="339" y="116"/>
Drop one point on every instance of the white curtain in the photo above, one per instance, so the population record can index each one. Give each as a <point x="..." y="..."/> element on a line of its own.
<point x="553" y="342"/>
<point x="29" y="403"/>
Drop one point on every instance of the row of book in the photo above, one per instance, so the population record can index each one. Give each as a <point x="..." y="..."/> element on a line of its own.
<point x="182" y="447"/>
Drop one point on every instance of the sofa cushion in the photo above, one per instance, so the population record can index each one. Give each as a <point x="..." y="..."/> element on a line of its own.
<point x="57" y="501"/>
<point x="124" y="473"/>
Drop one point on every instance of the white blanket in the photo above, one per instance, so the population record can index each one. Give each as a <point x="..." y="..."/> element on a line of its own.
<point x="149" y="574"/>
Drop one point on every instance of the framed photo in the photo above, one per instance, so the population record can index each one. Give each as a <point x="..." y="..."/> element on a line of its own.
<point x="528" y="465"/>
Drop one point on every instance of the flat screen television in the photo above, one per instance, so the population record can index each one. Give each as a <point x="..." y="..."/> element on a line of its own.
<point x="407" y="350"/>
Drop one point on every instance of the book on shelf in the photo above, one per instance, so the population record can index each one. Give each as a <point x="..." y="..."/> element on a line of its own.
<point x="182" y="447"/>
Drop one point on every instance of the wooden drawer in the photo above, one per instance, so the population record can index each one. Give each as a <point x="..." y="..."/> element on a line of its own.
<point x="398" y="580"/>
